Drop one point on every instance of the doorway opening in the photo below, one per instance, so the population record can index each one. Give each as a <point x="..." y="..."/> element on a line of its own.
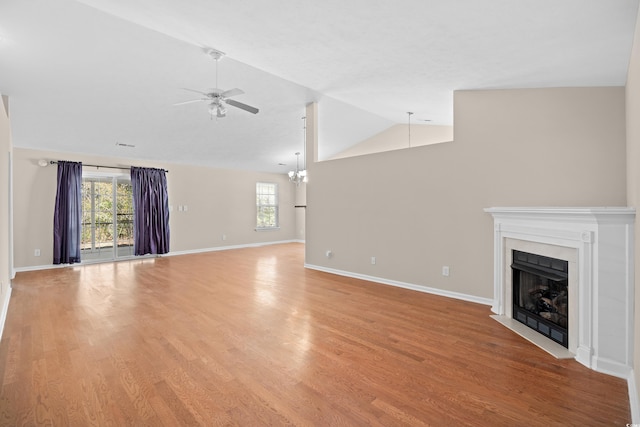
<point x="107" y="217"/>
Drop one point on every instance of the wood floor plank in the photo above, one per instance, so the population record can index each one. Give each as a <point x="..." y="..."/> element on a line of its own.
<point x="176" y="405"/>
<point x="250" y="337"/>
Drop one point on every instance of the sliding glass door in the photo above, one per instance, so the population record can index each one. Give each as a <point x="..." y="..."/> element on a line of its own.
<point x="107" y="217"/>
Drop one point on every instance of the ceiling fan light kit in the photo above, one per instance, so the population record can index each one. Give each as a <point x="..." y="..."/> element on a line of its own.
<point x="217" y="109"/>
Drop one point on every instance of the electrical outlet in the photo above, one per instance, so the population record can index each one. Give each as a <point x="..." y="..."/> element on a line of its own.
<point x="329" y="254"/>
<point x="445" y="270"/>
<point x="373" y="260"/>
<point x="224" y="237"/>
<point x="36" y="252"/>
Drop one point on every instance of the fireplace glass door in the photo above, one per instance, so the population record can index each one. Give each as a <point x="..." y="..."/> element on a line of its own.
<point x="540" y="294"/>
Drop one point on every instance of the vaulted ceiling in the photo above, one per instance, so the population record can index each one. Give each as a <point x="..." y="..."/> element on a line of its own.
<point x="84" y="76"/>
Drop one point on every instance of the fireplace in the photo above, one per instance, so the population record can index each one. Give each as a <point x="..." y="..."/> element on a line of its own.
<point x="541" y="294"/>
<point x="598" y="244"/>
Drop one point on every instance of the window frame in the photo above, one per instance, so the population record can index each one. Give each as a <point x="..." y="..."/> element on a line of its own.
<point x="260" y="206"/>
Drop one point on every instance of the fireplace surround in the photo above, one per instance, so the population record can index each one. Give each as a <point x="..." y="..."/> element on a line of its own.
<point x="597" y="245"/>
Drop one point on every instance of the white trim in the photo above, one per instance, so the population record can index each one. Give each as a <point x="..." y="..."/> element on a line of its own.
<point x="225" y="248"/>
<point x="134" y="258"/>
<point x="267" y="228"/>
<point x="411" y="286"/>
<point x="102" y="174"/>
<point x="45" y="267"/>
<point x="5" y="310"/>
<point x="634" y="399"/>
<point x="12" y="271"/>
<point x="84" y="262"/>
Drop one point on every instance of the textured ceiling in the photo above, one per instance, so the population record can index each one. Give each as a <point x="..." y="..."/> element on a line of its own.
<point x="83" y="75"/>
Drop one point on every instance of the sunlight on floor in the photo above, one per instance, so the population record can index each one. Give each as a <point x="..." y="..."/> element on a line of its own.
<point x="265" y="278"/>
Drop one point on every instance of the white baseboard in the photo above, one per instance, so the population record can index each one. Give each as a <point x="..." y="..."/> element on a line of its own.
<point x="226" y="248"/>
<point x="187" y="252"/>
<point x="414" y="287"/>
<point x="5" y="310"/>
<point x="611" y="367"/>
<point x="634" y="399"/>
<point x="42" y="267"/>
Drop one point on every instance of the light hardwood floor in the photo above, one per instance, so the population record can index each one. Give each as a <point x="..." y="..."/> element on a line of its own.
<point x="249" y="337"/>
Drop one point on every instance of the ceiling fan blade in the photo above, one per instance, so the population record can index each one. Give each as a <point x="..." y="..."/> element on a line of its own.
<point x="242" y="106"/>
<point x="193" y="100"/>
<point x="196" y="91"/>
<point x="231" y="92"/>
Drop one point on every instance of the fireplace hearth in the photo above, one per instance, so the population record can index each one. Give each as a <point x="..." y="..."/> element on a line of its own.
<point x="541" y="294"/>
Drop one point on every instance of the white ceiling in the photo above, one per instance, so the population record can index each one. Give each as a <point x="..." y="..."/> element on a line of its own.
<point x="84" y="75"/>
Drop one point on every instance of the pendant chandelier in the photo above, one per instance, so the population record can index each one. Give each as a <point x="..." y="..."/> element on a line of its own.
<point x="300" y="175"/>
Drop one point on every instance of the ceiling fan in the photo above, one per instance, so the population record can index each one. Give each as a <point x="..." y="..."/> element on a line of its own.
<point x="218" y="99"/>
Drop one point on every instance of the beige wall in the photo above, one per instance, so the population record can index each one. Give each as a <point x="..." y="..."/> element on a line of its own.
<point x="397" y="137"/>
<point x="5" y="197"/>
<point x="633" y="182"/>
<point x="219" y="202"/>
<point x="419" y="209"/>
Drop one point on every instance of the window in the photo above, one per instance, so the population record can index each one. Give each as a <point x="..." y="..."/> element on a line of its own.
<point x="267" y="206"/>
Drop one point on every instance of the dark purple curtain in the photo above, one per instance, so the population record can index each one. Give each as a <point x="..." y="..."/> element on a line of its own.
<point x="68" y="214"/>
<point x="150" y="211"/>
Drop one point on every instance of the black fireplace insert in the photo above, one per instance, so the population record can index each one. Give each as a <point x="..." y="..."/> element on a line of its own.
<point x="541" y="295"/>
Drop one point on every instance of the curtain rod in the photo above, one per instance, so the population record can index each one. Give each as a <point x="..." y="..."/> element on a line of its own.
<point x="55" y="162"/>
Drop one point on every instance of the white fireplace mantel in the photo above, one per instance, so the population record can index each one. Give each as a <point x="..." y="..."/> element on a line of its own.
<point x="600" y="241"/>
